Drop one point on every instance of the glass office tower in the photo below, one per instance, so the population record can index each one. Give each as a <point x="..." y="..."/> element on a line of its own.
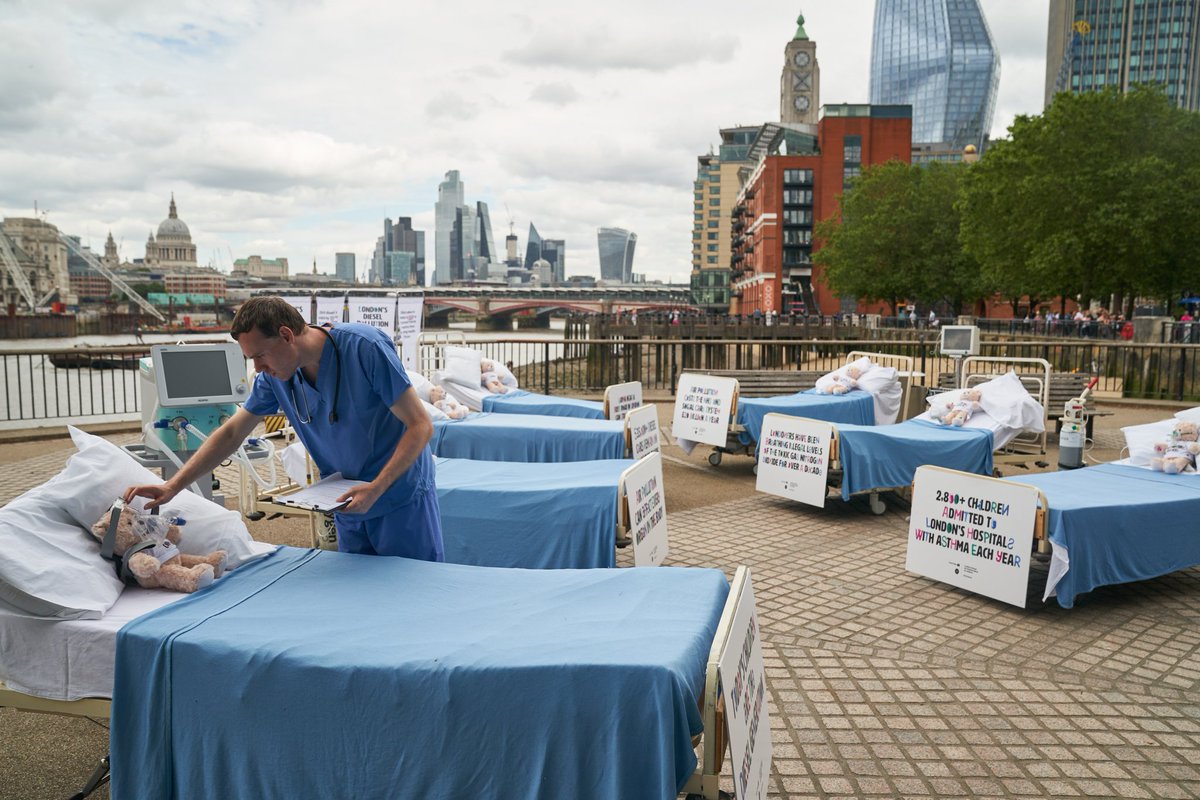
<point x="937" y="56"/>
<point x="1093" y="44"/>
<point x="616" y="254"/>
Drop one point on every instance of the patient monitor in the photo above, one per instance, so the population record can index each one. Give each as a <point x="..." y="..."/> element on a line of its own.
<point x="960" y="340"/>
<point x="197" y="384"/>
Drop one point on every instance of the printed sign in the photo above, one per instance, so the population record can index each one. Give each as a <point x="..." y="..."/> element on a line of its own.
<point x="301" y="302"/>
<point x="330" y="309"/>
<point x="702" y="408"/>
<point x="793" y="458"/>
<point x="643" y="488"/>
<point x="641" y="431"/>
<point x="622" y="398"/>
<point x="972" y="532"/>
<point x="379" y="312"/>
<point x="744" y="682"/>
<point x="409" y="312"/>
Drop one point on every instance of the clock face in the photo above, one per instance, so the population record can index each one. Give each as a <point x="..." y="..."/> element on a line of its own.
<point x="801" y="103"/>
<point x="801" y="58"/>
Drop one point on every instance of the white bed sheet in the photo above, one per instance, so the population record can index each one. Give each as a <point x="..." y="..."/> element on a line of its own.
<point x="469" y="396"/>
<point x="1002" y="433"/>
<point x="70" y="659"/>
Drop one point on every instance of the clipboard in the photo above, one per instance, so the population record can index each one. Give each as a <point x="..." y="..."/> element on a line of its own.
<point x="322" y="496"/>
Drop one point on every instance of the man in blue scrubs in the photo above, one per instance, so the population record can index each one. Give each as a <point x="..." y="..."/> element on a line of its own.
<point x="351" y="403"/>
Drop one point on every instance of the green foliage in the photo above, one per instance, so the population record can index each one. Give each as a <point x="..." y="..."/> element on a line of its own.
<point x="1096" y="196"/>
<point x="898" y="238"/>
<point x="144" y="289"/>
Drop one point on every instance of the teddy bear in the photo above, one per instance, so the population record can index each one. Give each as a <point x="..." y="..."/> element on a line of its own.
<point x="492" y="382"/>
<point x="506" y="377"/>
<point x="840" y="381"/>
<point x="1178" y="454"/>
<point x="447" y="403"/>
<point x="161" y="566"/>
<point x="958" y="412"/>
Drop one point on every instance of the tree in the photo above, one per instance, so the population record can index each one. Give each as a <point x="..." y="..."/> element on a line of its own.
<point x="1097" y="196"/>
<point x="898" y="238"/>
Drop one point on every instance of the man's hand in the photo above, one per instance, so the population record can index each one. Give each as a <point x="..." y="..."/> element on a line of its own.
<point x="361" y="498"/>
<point x="158" y="494"/>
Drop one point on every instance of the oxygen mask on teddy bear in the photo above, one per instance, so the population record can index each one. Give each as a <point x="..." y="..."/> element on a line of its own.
<point x="840" y="381"/>
<point x="492" y="382"/>
<point x="958" y="412"/>
<point x="1178" y="454"/>
<point x="146" y="549"/>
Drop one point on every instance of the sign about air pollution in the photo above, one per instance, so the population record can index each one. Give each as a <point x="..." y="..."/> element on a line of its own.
<point x="793" y="458"/>
<point x="703" y="408"/>
<point x="647" y="502"/>
<point x="409" y="312"/>
<point x="641" y="426"/>
<point x="330" y="309"/>
<point x="622" y="398"/>
<point x="744" y="682"/>
<point x="378" y="312"/>
<point x="300" y="302"/>
<point x="972" y="532"/>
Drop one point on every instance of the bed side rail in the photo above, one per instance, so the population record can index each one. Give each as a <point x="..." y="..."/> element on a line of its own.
<point x="706" y="780"/>
<point x="97" y="707"/>
<point x="1034" y="374"/>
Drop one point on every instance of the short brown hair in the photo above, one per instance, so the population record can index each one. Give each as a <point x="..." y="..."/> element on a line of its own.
<point x="267" y="315"/>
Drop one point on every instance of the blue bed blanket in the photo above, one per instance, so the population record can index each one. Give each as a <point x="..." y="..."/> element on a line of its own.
<point x="887" y="456"/>
<point x="536" y="516"/>
<point x="1117" y="524"/>
<point x="320" y="674"/>
<point x="853" y="408"/>
<point x="528" y="437"/>
<point x="521" y="402"/>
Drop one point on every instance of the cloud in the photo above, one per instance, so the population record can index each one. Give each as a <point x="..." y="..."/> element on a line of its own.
<point x="597" y="47"/>
<point x="555" y="94"/>
<point x="452" y="106"/>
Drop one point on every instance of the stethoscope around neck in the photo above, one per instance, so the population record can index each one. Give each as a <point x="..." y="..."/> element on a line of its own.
<point x="337" y="384"/>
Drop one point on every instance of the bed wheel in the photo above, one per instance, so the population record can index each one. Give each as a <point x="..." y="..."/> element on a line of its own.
<point x="714" y="458"/>
<point x="876" y="503"/>
<point x="754" y="469"/>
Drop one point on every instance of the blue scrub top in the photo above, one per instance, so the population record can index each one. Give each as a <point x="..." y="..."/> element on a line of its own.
<point x="364" y="437"/>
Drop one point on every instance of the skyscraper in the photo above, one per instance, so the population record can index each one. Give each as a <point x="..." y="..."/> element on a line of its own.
<point x="344" y="266"/>
<point x="616" y="254"/>
<point x="533" y="247"/>
<point x="1093" y="44"/>
<point x="450" y="199"/>
<point x="939" y="57"/>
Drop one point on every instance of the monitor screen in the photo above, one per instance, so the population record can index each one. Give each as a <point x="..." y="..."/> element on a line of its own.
<point x="957" y="339"/>
<point x="202" y="373"/>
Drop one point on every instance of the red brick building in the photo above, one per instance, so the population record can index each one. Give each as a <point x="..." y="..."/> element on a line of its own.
<point x="785" y="195"/>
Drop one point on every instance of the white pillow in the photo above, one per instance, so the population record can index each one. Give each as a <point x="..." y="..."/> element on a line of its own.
<point x="101" y="472"/>
<point x="1140" y="440"/>
<point x="434" y="412"/>
<point x="1189" y="415"/>
<point x="51" y="566"/>
<point x="1005" y="399"/>
<point x="461" y="365"/>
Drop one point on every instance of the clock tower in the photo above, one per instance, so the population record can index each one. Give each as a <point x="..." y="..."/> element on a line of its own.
<point x="800" y="84"/>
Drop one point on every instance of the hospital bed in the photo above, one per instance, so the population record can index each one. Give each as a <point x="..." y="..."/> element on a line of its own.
<point x="858" y="407"/>
<point x="870" y="459"/>
<point x="528" y="437"/>
<point x="519" y="401"/>
<point x="392" y="677"/>
<point x="1093" y="524"/>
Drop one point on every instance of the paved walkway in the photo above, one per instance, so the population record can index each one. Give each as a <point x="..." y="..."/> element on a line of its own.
<point x="881" y="684"/>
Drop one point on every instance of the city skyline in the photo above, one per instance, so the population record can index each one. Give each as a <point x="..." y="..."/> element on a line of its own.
<point x="551" y="115"/>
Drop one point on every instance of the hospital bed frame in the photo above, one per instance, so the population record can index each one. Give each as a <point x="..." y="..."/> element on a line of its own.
<point x="733" y="444"/>
<point x="703" y="783"/>
<point x="1023" y="447"/>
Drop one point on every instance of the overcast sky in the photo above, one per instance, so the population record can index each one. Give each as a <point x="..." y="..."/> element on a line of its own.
<point x="293" y="127"/>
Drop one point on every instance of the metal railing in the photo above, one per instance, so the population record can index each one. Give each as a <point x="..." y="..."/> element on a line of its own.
<point x="48" y="387"/>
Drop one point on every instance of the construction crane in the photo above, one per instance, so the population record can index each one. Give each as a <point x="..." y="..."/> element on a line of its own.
<point x="1079" y="30"/>
<point x="112" y="277"/>
<point x="8" y="255"/>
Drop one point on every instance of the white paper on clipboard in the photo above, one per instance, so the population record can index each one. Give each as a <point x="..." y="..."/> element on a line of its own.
<point x="322" y="495"/>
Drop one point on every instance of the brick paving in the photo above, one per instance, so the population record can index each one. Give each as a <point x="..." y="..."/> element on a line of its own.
<point x="881" y="683"/>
